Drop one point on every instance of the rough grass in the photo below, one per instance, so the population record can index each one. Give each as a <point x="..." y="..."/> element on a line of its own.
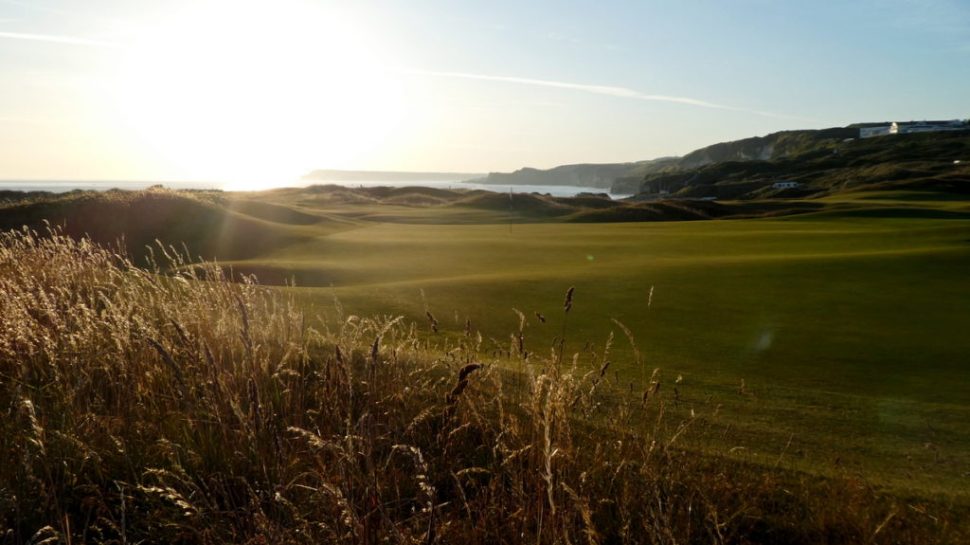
<point x="271" y="212"/>
<point x="207" y="224"/>
<point x="815" y="313"/>
<point x="184" y="408"/>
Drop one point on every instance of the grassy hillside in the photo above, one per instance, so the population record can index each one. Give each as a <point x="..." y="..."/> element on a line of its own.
<point x="775" y="146"/>
<point x="585" y="175"/>
<point x="627" y="178"/>
<point x="815" y="315"/>
<point x="426" y="205"/>
<point x="803" y="309"/>
<point x="812" y="313"/>
<point x="827" y="160"/>
<point x="889" y="162"/>
<point x="210" y="225"/>
<point x="141" y="407"/>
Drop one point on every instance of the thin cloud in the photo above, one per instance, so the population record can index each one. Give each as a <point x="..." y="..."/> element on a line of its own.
<point x="69" y="40"/>
<point x="607" y="90"/>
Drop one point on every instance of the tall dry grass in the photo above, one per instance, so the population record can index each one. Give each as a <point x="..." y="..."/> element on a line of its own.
<point x="173" y="406"/>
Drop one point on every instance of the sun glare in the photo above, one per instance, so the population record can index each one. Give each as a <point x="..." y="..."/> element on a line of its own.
<point x="255" y="96"/>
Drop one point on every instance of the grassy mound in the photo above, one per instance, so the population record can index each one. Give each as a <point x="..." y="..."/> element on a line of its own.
<point x="398" y="192"/>
<point x="658" y="211"/>
<point x="188" y="409"/>
<point x="335" y="194"/>
<point x="525" y="204"/>
<point x="589" y="201"/>
<point x="271" y="212"/>
<point x="415" y="199"/>
<point x="141" y="218"/>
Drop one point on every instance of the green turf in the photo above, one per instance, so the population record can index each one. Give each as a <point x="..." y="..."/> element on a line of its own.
<point x="849" y="323"/>
<point x="849" y="326"/>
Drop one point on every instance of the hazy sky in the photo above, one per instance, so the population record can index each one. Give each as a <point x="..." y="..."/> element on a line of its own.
<point x="219" y="90"/>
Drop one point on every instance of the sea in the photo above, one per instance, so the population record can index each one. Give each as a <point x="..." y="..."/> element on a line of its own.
<point x="105" y="185"/>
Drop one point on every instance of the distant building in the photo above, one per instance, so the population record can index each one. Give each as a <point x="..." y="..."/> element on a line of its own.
<point x="869" y="132"/>
<point x="786" y="184"/>
<point x="912" y="127"/>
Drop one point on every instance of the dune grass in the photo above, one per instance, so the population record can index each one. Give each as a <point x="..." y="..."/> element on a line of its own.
<point x="208" y="224"/>
<point x="142" y="407"/>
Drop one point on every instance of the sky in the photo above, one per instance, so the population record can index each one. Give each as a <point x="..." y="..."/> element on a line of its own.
<point x="243" y="90"/>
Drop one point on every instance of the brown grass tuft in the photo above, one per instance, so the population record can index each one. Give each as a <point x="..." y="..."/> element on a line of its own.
<point x="136" y="409"/>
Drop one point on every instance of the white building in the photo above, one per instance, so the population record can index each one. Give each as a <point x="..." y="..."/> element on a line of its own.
<point x="909" y="127"/>
<point x="928" y="126"/>
<point x="787" y="184"/>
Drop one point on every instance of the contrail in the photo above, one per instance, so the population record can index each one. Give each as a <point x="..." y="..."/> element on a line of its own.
<point x="58" y="39"/>
<point x="608" y="90"/>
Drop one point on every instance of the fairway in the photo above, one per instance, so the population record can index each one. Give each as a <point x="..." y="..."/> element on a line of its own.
<point x="832" y="340"/>
<point x="849" y="333"/>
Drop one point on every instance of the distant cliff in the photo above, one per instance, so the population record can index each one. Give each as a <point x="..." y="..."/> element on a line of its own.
<point x="585" y="175"/>
<point x="628" y="178"/>
<point x="775" y="146"/>
<point x="805" y="163"/>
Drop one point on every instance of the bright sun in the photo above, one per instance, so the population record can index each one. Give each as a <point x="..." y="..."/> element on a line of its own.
<point x="233" y="91"/>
